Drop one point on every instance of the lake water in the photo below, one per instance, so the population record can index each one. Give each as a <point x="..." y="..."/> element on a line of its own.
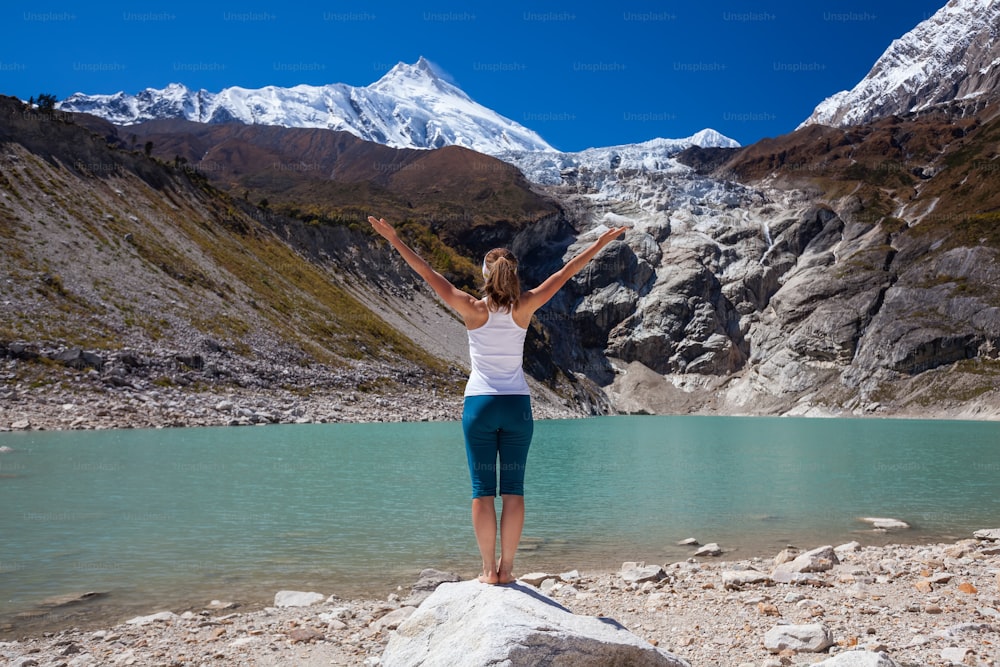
<point x="171" y="519"/>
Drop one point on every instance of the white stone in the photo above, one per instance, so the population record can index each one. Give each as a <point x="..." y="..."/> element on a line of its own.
<point x="955" y="655"/>
<point x="858" y="659"/>
<point x="734" y="579"/>
<point x="467" y="623"/>
<point x="297" y="599"/>
<point x="572" y="575"/>
<point x="710" y="549"/>
<point x="337" y="613"/>
<point x="20" y="425"/>
<point x="243" y="641"/>
<point x="850" y="547"/>
<point x="991" y="534"/>
<point x="810" y="638"/>
<point x="162" y="617"/>
<point x="883" y="523"/>
<point x="637" y="573"/>
<point x="816" y="560"/>
<point x="689" y="542"/>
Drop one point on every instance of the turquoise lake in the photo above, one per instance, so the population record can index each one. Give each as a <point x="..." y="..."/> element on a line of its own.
<point x="174" y="518"/>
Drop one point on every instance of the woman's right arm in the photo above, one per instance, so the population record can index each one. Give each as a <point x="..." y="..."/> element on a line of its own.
<point x="534" y="299"/>
<point x="461" y="301"/>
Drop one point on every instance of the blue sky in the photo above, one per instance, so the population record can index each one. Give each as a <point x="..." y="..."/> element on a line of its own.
<point x="579" y="74"/>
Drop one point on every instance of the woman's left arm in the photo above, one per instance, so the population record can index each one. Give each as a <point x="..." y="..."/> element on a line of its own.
<point x="534" y="299"/>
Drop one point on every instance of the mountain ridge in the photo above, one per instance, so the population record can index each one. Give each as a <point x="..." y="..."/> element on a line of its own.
<point x="411" y="106"/>
<point x="952" y="56"/>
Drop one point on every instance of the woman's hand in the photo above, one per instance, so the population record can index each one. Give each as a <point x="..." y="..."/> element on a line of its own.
<point x="382" y="227"/>
<point x="610" y="235"/>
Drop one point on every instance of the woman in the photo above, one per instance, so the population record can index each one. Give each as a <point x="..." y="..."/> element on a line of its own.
<point x="496" y="416"/>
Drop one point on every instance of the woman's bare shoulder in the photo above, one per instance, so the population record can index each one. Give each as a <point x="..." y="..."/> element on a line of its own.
<point x="479" y="316"/>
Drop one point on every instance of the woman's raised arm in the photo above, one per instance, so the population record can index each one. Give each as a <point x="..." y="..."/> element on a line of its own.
<point x="461" y="301"/>
<point x="534" y="299"/>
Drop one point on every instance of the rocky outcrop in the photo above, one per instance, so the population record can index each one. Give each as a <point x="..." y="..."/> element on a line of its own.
<point x="474" y="624"/>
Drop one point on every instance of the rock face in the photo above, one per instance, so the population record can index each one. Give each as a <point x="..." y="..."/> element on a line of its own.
<point x="472" y="624"/>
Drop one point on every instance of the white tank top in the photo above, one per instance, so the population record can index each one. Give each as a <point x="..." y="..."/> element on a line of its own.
<point x="496" y="350"/>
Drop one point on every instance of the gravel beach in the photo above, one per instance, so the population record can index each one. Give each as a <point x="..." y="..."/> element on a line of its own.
<point x="916" y="604"/>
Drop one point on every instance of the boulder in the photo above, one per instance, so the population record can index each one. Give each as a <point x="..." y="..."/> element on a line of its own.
<point x="847" y="548"/>
<point x="470" y="623"/>
<point x="297" y="599"/>
<point x="637" y="573"/>
<point x="810" y="638"/>
<point x="991" y="534"/>
<point x="736" y="579"/>
<point x="23" y="351"/>
<point x="80" y="359"/>
<point x="816" y="560"/>
<point x="710" y="549"/>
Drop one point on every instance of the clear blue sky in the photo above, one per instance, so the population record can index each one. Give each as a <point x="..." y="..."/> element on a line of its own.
<point x="579" y="74"/>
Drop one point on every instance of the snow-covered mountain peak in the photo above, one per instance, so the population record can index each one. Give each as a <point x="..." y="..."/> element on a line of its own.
<point x="952" y="56"/>
<point x="412" y="106"/>
<point x="420" y="77"/>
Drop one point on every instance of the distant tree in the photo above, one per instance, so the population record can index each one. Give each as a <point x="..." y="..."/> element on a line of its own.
<point x="46" y="102"/>
<point x="148" y="148"/>
<point x="179" y="161"/>
<point x="264" y="203"/>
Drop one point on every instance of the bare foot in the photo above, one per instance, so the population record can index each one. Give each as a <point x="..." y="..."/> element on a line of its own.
<point x="488" y="578"/>
<point x="505" y="575"/>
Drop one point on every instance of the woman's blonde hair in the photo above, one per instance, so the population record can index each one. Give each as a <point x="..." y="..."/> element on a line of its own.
<point x="501" y="283"/>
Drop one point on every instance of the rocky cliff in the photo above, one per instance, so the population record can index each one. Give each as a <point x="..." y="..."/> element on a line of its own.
<point x="821" y="273"/>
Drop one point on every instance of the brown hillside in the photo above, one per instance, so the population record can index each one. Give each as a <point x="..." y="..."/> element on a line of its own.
<point x="334" y="175"/>
<point x="924" y="162"/>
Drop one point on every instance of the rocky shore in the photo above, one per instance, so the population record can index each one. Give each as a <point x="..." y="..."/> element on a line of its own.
<point x="901" y="605"/>
<point x="59" y="388"/>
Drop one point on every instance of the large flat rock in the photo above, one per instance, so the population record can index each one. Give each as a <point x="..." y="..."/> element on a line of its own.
<point x="470" y="623"/>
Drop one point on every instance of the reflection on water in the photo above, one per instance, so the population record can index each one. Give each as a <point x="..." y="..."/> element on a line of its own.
<point x="175" y="518"/>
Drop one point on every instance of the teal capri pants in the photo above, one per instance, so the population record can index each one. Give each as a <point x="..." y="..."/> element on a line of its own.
<point x="497" y="427"/>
